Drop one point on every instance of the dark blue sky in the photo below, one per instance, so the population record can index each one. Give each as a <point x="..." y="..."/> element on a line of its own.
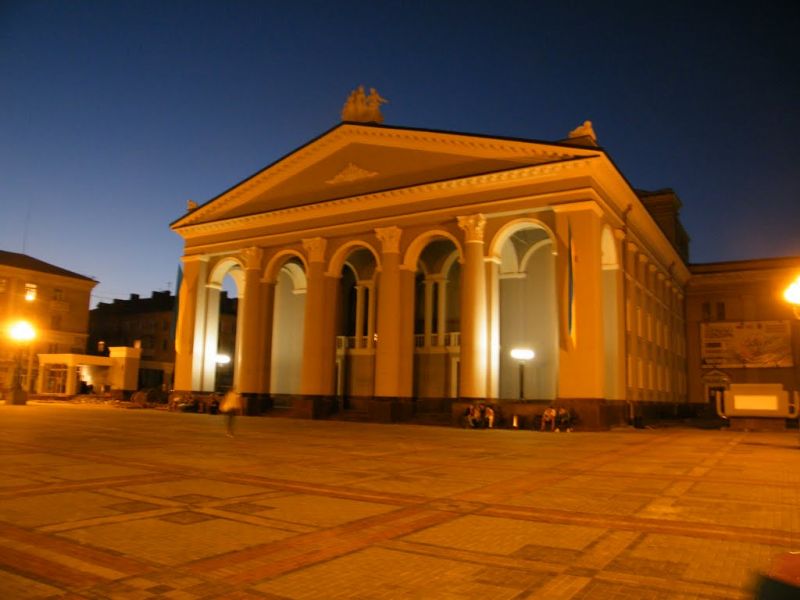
<point x="114" y="113"/>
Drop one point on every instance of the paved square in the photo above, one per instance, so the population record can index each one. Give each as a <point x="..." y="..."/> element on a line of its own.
<point x="99" y="502"/>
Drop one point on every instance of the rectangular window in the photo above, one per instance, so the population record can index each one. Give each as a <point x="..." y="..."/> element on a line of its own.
<point x="30" y="292"/>
<point x="55" y="321"/>
<point x="3" y="284"/>
<point x="58" y="294"/>
<point x="720" y="311"/>
<point x="706" y="311"/>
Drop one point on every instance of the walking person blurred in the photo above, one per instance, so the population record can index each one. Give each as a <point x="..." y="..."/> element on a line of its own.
<point x="231" y="406"/>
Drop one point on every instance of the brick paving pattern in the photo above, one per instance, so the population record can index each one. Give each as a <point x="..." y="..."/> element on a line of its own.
<point x="99" y="502"/>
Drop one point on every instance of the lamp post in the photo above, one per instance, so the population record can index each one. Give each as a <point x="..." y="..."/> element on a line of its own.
<point x="222" y="360"/>
<point x="21" y="332"/>
<point x="792" y="295"/>
<point x="522" y="355"/>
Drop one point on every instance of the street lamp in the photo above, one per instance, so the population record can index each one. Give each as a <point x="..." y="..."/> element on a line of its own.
<point x="21" y="332"/>
<point x="792" y="295"/>
<point x="522" y="355"/>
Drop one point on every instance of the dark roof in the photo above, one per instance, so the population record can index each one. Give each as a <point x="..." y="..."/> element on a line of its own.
<point x="23" y="261"/>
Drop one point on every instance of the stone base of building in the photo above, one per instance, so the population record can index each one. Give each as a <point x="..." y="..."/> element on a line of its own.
<point x="589" y="414"/>
<point x="757" y="424"/>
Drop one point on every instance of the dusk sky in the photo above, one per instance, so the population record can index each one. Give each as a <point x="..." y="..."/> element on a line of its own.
<point x="114" y="113"/>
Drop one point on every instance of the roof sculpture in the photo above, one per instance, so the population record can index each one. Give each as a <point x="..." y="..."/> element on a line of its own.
<point x="360" y="108"/>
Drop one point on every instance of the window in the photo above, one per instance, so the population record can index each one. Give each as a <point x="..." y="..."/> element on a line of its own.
<point x="706" y="311"/>
<point x="55" y="321"/>
<point x="3" y="284"/>
<point x="58" y="294"/>
<point x="30" y="292"/>
<point x="720" y="311"/>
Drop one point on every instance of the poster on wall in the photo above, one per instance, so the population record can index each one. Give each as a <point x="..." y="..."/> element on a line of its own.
<point x="749" y="344"/>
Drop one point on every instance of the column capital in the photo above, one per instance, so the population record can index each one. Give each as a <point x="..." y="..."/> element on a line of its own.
<point x="473" y="226"/>
<point x="252" y="257"/>
<point x="315" y="248"/>
<point x="389" y="238"/>
<point x="194" y="258"/>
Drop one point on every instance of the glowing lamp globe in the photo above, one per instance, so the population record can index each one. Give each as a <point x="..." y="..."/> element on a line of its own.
<point x="21" y="331"/>
<point x="792" y="293"/>
<point x="522" y="353"/>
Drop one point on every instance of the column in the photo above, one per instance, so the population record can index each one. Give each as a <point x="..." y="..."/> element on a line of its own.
<point x="319" y="344"/>
<point x="40" y="377"/>
<point x="428" y="328"/>
<point x="251" y="359"/>
<point x="387" y="354"/>
<point x="191" y="324"/>
<point x="371" y="307"/>
<point x="441" y="311"/>
<point x="473" y="309"/>
<point x="493" y="311"/>
<point x="211" y="340"/>
<point x="359" y="332"/>
<point x="267" y="314"/>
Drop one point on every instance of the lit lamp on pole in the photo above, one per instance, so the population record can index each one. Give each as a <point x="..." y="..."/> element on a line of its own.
<point x="792" y="295"/>
<point x="21" y="333"/>
<point x="222" y="360"/>
<point x="522" y="355"/>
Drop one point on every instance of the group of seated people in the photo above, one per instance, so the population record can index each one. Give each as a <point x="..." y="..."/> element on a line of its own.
<point x="479" y="416"/>
<point x="193" y="403"/>
<point x="554" y="418"/>
<point x="557" y="419"/>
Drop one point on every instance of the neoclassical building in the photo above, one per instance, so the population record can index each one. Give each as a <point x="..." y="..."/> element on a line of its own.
<point x="392" y="270"/>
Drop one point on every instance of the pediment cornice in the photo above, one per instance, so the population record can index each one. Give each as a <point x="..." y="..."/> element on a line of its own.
<point x="348" y="133"/>
<point x="384" y="198"/>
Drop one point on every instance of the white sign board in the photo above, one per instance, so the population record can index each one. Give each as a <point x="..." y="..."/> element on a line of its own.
<point x="748" y="344"/>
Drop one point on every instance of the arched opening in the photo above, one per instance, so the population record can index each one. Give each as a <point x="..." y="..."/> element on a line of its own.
<point x="288" y="325"/>
<point x="528" y="316"/>
<point x="355" y="328"/>
<point x="613" y="387"/>
<point x="221" y="355"/>
<point x="437" y="317"/>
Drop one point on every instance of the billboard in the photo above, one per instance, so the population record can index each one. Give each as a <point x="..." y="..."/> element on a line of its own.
<point x="748" y="344"/>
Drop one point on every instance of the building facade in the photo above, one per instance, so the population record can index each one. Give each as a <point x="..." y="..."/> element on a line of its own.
<point x="388" y="268"/>
<point x="54" y="300"/>
<point x="740" y="330"/>
<point x="149" y="325"/>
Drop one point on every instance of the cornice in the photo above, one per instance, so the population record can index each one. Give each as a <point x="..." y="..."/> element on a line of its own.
<point x="380" y="199"/>
<point x="338" y="137"/>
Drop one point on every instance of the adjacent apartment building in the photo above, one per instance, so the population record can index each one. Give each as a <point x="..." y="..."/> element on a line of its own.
<point x="54" y="300"/>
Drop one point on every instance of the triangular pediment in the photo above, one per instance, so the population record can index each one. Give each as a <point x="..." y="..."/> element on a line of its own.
<point x="352" y="160"/>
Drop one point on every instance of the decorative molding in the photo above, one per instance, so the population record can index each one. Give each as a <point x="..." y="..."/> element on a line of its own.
<point x="547" y="151"/>
<point x="389" y="238"/>
<point x="473" y="226"/>
<point x="469" y="182"/>
<point x="315" y="248"/>
<point x="350" y="173"/>
<point x="252" y="257"/>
